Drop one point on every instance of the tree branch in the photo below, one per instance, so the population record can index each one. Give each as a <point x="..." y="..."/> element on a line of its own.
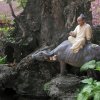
<point x="18" y="22"/>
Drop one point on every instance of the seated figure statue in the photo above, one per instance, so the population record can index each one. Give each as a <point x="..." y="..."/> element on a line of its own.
<point x="80" y="36"/>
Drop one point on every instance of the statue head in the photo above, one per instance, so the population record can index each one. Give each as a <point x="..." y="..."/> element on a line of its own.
<point x="40" y="56"/>
<point x="81" y="19"/>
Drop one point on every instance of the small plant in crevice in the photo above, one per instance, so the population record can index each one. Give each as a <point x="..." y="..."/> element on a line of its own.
<point x="3" y="60"/>
<point x="91" y="87"/>
<point x="47" y="86"/>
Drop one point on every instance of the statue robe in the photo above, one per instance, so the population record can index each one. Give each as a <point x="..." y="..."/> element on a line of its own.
<point x="81" y="33"/>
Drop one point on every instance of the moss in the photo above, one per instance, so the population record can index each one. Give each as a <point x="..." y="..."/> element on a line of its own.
<point x="46" y="86"/>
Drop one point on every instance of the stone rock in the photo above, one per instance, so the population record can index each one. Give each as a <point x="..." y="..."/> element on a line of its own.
<point x="31" y="80"/>
<point x="7" y="75"/>
<point x="28" y="80"/>
<point x="63" y="87"/>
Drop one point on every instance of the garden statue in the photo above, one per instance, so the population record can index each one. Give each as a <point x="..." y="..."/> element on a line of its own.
<point x="75" y="51"/>
<point x="80" y="36"/>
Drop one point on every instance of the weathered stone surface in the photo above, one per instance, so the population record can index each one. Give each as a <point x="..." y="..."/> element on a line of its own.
<point x="7" y="75"/>
<point x="27" y="77"/>
<point x="62" y="87"/>
<point x="30" y="81"/>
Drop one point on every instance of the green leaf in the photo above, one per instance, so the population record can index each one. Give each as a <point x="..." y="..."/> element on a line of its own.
<point x="47" y="86"/>
<point x="98" y="83"/>
<point x="83" y="96"/>
<point x="97" y="96"/>
<point x="88" y="81"/>
<point x="97" y="66"/>
<point x="96" y="87"/>
<point x="98" y="69"/>
<point x="87" y="88"/>
<point x="3" y="60"/>
<point x="88" y="65"/>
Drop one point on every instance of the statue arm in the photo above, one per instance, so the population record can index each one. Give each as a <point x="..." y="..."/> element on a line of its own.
<point x="88" y="33"/>
<point x="73" y="33"/>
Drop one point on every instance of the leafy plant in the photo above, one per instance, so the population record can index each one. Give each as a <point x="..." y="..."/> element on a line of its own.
<point x="91" y="65"/>
<point x="3" y="60"/>
<point x="46" y="86"/>
<point x="6" y="33"/>
<point x="97" y="66"/>
<point x="91" y="89"/>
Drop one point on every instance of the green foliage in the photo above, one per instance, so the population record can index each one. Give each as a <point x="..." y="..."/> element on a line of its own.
<point x="97" y="96"/>
<point x="88" y="81"/>
<point x="7" y="28"/>
<point x="97" y="66"/>
<point x="91" y="65"/>
<point x="3" y="17"/>
<point x="46" y="86"/>
<point x="90" y="89"/>
<point x="6" y="33"/>
<point x="83" y="96"/>
<point x="22" y="3"/>
<point x="88" y="65"/>
<point x="3" y="60"/>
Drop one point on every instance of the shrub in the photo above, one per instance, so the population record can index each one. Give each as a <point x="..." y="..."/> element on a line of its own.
<point x="91" y="88"/>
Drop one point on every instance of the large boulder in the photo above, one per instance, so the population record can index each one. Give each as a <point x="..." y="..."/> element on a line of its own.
<point x="30" y="81"/>
<point x="27" y="78"/>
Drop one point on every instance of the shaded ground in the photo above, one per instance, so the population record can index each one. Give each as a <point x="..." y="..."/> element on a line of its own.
<point x="11" y="95"/>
